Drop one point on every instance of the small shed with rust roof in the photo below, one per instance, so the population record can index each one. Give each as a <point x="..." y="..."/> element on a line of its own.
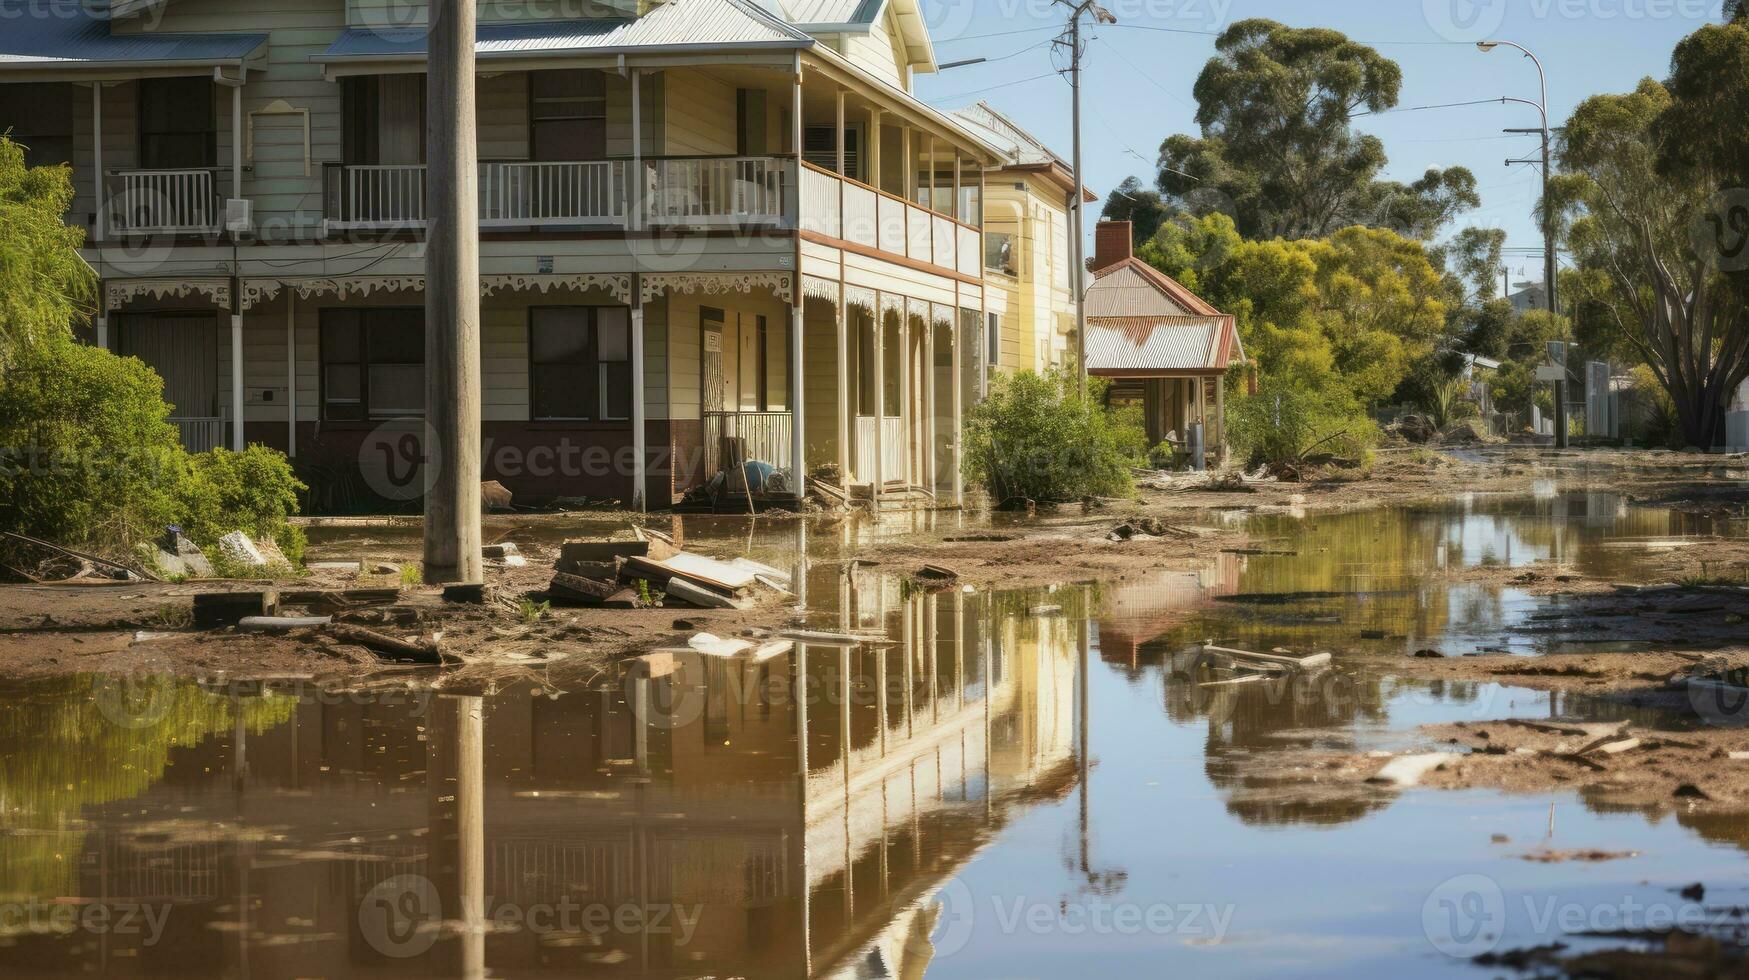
<point x="1159" y="344"/>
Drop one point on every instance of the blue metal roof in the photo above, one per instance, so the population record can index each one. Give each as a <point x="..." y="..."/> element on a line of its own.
<point x="678" y="23"/>
<point x="37" y="35"/>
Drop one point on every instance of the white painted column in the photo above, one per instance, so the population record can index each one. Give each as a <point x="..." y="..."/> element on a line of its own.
<point x="879" y="477"/>
<point x="635" y="203"/>
<point x="97" y="201"/>
<point x="640" y="451"/>
<point x="635" y="220"/>
<point x="959" y="405"/>
<point x="237" y="382"/>
<point x="838" y="136"/>
<point x="929" y="402"/>
<point x="101" y="324"/>
<point x="908" y="180"/>
<point x="907" y="418"/>
<point x="844" y="413"/>
<point x="237" y="138"/>
<point x="291" y="372"/>
<point x="873" y="150"/>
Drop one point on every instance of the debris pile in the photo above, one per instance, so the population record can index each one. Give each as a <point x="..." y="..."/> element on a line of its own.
<point x="651" y="571"/>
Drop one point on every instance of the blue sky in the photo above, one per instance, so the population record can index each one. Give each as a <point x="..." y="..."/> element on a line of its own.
<point x="1139" y="77"/>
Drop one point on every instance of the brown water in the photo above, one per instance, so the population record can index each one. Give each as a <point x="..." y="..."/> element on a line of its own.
<point x="1018" y="785"/>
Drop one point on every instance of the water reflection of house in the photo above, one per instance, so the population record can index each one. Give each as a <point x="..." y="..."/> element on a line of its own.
<point x="811" y="833"/>
<point x="1137" y="612"/>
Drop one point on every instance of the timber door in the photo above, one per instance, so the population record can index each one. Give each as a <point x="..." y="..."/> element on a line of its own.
<point x="183" y="348"/>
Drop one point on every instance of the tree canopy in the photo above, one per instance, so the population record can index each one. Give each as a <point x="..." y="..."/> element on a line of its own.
<point x="43" y="282"/>
<point x="1656" y="231"/>
<point x="1278" y="149"/>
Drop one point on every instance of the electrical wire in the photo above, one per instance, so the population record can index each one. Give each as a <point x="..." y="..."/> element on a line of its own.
<point x="979" y="91"/>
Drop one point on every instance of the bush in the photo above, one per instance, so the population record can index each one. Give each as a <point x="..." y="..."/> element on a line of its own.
<point x="86" y="455"/>
<point x="253" y="491"/>
<point x="1282" y="424"/>
<point x="1035" y="438"/>
<point x="88" y="458"/>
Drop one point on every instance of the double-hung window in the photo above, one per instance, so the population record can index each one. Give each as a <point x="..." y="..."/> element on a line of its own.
<point x="580" y="364"/>
<point x="373" y="364"/>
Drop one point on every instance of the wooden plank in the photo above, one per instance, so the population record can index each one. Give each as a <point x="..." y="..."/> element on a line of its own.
<point x="1313" y="660"/>
<point x="216" y="609"/>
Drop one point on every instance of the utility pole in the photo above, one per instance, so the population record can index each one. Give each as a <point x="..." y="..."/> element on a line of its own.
<point x="1077" y="279"/>
<point x="452" y="302"/>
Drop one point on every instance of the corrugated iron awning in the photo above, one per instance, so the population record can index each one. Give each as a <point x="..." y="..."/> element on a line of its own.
<point x="72" y="37"/>
<point x="1159" y="346"/>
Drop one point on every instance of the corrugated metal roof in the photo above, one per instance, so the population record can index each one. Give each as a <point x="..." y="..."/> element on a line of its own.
<point x="1135" y="288"/>
<point x="71" y="35"/>
<point x="677" y="23"/>
<point x="844" y="12"/>
<point x="1138" y="345"/>
<point x="1021" y="147"/>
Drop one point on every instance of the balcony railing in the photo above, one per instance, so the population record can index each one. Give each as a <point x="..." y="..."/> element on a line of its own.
<point x="691" y="192"/>
<point x="763" y="436"/>
<point x="154" y="202"/>
<point x="892" y="448"/>
<point x="854" y="212"/>
<point x="718" y="190"/>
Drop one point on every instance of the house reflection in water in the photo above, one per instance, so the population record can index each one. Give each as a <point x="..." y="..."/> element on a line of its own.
<point x="709" y="819"/>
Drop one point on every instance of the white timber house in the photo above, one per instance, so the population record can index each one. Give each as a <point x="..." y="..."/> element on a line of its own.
<point x="708" y="228"/>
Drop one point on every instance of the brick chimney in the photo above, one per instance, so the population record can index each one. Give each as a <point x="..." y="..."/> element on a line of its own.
<point x="1111" y="244"/>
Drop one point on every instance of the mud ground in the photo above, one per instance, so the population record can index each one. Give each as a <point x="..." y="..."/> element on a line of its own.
<point x="142" y="626"/>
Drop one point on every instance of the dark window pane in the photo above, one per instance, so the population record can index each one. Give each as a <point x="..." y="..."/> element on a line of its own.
<point x="559" y="336"/>
<point x="560" y="391"/>
<point x="397" y="390"/>
<point x="177" y="126"/>
<point x="614" y="330"/>
<point x="394" y="340"/>
<point x="616" y="386"/>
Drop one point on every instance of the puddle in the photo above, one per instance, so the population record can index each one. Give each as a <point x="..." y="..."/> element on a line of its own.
<point x="920" y="808"/>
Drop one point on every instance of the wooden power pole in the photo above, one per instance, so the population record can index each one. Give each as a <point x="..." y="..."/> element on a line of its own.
<point x="452" y="302"/>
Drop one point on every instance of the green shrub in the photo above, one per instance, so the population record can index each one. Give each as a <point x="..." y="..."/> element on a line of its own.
<point x="88" y="458"/>
<point x="1035" y="438"/>
<point x="86" y="455"/>
<point x="1282" y="424"/>
<point x="253" y="491"/>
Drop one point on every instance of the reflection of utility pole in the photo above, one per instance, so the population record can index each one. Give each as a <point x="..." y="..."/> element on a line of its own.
<point x="1078" y="274"/>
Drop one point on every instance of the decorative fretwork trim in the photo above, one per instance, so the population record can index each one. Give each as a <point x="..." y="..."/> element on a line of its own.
<point x="863" y="297"/>
<point x="618" y="284"/>
<point x="118" y="293"/>
<point x="342" y="288"/>
<point x="815" y="287"/>
<point x="717" y="283"/>
<point x="256" y="291"/>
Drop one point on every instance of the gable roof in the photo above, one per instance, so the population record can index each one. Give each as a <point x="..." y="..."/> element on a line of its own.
<point x="860" y="17"/>
<point x="675" y="25"/>
<point x="1021" y="150"/>
<point x="1132" y="287"/>
<point x="1155" y="346"/>
<point x="69" y="36"/>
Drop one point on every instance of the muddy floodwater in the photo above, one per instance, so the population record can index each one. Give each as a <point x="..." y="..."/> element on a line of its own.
<point x="1004" y="784"/>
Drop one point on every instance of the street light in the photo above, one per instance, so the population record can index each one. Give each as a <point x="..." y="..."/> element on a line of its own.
<point x="1549" y="256"/>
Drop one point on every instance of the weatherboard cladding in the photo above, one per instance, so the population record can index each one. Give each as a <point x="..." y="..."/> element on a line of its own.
<point x="51" y="35"/>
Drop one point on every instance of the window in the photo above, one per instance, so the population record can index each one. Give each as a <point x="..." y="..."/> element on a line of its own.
<point x="580" y="363"/>
<point x="373" y="364"/>
<point x="993" y="340"/>
<point x="177" y="128"/>
<point x="40" y="115"/>
<point x="568" y="114"/>
<point x="999" y="252"/>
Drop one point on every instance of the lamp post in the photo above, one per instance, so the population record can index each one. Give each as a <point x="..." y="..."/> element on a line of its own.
<point x="1550" y="263"/>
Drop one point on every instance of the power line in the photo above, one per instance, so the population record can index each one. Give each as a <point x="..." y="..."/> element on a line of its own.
<point x="1147" y="77"/>
<point x="991" y="88"/>
<point x="1356" y="40"/>
<point x="980" y="37"/>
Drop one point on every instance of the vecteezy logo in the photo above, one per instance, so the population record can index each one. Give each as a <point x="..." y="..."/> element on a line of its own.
<point x="400" y="460"/>
<point x="947" y="19"/>
<point x="944" y="926"/>
<point x="1720" y="232"/>
<point x="134" y="702"/>
<point x="1464" y="21"/>
<point x="400" y="916"/>
<point x="1465" y="916"/>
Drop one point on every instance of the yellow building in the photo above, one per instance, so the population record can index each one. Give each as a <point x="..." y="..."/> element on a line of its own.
<point x="1028" y="247"/>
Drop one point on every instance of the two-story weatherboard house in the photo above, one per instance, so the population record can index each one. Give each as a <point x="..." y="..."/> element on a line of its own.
<point x="707" y="227"/>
